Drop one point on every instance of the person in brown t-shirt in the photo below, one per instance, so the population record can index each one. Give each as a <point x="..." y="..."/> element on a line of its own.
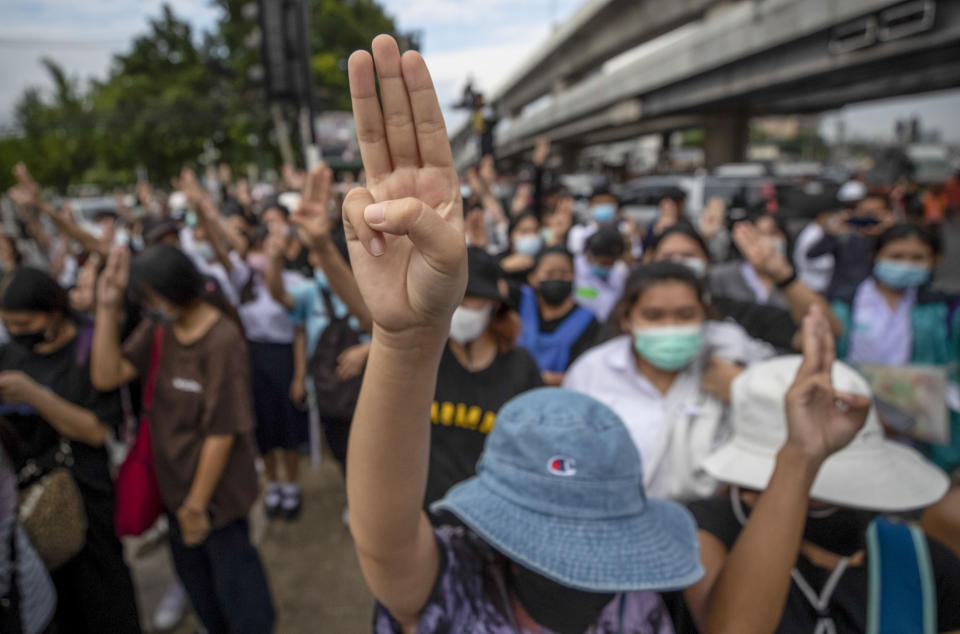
<point x="201" y="422"/>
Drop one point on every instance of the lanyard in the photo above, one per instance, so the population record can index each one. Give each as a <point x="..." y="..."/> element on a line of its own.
<point x="821" y="602"/>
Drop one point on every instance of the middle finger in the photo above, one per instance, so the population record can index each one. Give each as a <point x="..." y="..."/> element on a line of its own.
<point x="397" y="114"/>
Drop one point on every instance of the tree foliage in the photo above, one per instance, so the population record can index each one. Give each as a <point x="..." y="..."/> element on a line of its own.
<point x="175" y="91"/>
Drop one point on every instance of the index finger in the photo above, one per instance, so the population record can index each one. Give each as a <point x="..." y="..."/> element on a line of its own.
<point x="427" y="117"/>
<point x="368" y="117"/>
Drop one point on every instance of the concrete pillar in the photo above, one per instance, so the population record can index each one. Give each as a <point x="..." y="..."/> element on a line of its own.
<point x="725" y="138"/>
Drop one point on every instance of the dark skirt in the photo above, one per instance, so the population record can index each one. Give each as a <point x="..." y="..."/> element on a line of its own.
<point x="280" y="424"/>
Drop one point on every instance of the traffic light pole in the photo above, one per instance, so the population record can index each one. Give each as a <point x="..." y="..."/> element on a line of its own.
<point x="308" y="113"/>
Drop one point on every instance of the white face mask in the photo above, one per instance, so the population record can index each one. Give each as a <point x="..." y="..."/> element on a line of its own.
<point x="698" y="266"/>
<point x="468" y="324"/>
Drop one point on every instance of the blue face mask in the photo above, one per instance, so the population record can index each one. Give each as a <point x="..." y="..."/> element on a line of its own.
<point x="901" y="274"/>
<point x="528" y="245"/>
<point x="604" y="212"/>
<point x="669" y="348"/>
<point x="602" y="272"/>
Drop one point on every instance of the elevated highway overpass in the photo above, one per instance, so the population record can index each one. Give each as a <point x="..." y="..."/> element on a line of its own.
<point x="716" y="63"/>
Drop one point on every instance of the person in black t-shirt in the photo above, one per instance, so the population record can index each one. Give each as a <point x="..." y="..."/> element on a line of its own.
<point x="49" y="401"/>
<point x="794" y="548"/>
<point x="481" y="369"/>
<point x="555" y="330"/>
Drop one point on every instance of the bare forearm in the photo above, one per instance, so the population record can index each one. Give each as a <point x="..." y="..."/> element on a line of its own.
<point x="389" y="446"/>
<point x="801" y="297"/>
<point x="75" y="233"/>
<point x="273" y="277"/>
<point x="70" y="420"/>
<point x="213" y="460"/>
<point x="214" y="233"/>
<point x="106" y="358"/>
<point x="300" y="354"/>
<point x="751" y="589"/>
<point x="342" y="282"/>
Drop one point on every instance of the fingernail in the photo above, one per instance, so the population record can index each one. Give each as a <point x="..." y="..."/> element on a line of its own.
<point x="375" y="213"/>
<point x="377" y="245"/>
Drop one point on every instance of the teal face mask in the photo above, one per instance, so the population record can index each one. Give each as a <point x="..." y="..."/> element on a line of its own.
<point x="901" y="274"/>
<point x="604" y="212"/>
<point x="670" y="347"/>
<point x="602" y="272"/>
<point x="528" y="245"/>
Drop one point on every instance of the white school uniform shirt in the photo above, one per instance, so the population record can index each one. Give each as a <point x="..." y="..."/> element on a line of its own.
<point x="816" y="272"/>
<point x="597" y="295"/>
<point x="673" y="432"/>
<point x="879" y="334"/>
<point x="265" y="320"/>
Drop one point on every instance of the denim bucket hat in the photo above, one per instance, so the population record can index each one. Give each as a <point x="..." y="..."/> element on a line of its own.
<point x="559" y="490"/>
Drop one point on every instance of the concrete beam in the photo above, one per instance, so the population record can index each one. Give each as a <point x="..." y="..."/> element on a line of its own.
<point x="599" y="31"/>
<point x="745" y="30"/>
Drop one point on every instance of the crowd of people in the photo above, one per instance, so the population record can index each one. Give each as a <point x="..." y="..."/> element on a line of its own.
<point x="547" y="420"/>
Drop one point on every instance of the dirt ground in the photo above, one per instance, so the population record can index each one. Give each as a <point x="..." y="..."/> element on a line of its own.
<point x="313" y="572"/>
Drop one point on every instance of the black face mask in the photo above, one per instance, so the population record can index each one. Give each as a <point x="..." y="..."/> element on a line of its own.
<point x="843" y="531"/>
<point x="562" y="609"/>
<point x="29" y="339"/>
<point x="555" y="292"/>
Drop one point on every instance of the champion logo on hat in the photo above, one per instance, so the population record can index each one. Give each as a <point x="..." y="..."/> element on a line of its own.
<point x="562" y="466"/>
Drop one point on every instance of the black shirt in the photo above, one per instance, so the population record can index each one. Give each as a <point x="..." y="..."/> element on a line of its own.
<point x="848" y="607"/>
<point x="766" y="323"/>
<point x="588" y="339"/>
<point x="65" y="372"/>
<point x="464" y="410"/>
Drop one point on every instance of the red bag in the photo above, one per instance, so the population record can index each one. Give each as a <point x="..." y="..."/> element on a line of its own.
<point x="138" y="494"/>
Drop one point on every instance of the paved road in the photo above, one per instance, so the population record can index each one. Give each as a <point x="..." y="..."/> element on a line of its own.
<point x="313" y="573"/>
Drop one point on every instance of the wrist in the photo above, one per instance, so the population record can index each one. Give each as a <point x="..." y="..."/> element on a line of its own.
<point x="419" y="341"/>
<point x="785" y="278"/>
<point x="800" y="460"/>
<point x="194" y="507"/>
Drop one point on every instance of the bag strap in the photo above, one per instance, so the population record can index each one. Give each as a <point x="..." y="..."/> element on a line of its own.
<point x="154" y="364"/>
<point x="328" y="303"/>
<point x="901" y="592"/>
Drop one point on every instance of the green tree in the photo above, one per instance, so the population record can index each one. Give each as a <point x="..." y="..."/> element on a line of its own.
<point x="173" y="92"/>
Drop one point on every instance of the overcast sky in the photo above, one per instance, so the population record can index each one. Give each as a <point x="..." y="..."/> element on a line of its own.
<point x="483" y="38"/>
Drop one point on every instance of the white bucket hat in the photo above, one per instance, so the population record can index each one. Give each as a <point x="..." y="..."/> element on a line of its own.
<point x="870" y="473"/>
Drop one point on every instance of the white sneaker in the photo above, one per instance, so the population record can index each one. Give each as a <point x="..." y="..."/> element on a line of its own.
<point x="172" y="608"/>
<point x="345" y="517"/>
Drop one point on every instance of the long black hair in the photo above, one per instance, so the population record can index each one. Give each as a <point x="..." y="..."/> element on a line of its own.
<point x="168" y="272"/>
<point x="902" y="232"/>
<point x="31" y="289"/>
<point x="646" y="277"/>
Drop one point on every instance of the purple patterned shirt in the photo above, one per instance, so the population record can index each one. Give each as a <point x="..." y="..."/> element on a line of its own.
<point x="467" y="596"/>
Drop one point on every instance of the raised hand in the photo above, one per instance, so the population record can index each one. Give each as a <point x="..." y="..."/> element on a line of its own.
<point x="821" y="420"/>
<point x="760" y="253"/>
<point x="26" y="191"/>
<point x="312" y="216"/>
<point x="541" y="151"/>
<point x="405" y="229"/>
<point x="113" y="281"/>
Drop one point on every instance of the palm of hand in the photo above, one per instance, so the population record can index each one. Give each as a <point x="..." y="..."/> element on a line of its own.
<point x="403" y="266"/>
<point x="820" y="423"/>
<point x="411" y="270"/>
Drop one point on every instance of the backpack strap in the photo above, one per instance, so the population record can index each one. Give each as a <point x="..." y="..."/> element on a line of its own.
<point x="902" y="592"/>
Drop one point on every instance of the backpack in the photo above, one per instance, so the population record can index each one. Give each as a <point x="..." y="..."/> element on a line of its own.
<point x="336" y="399"/>
<point x="902" y="594"/>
